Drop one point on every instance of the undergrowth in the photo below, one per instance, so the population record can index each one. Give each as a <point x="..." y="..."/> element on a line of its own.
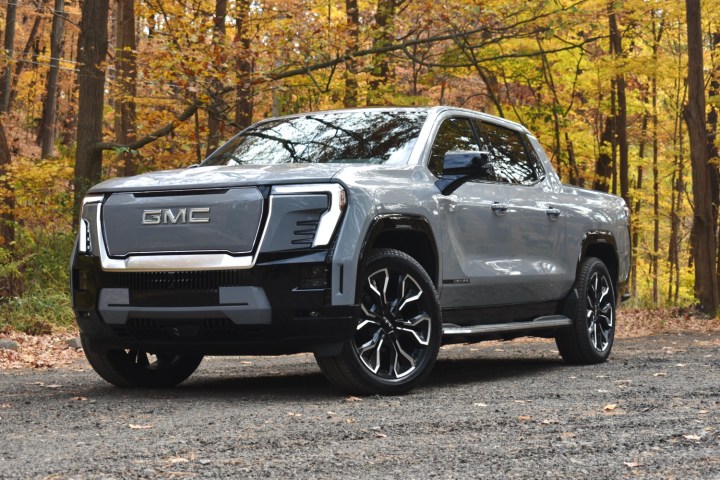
<point x="34" y="282"/>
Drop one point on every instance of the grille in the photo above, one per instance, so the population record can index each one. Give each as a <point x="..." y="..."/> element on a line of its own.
<point x="205" y="329"/>
<point x="164" y="281"/>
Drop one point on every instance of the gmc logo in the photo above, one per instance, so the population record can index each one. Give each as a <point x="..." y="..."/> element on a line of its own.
<point x="180" y="215"/>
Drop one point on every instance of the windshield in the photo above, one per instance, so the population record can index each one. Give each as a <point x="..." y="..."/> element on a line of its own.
<point x="368" y="137"/>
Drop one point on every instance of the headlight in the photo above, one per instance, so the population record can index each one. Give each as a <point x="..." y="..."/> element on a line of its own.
<point x="89" y="212"/>
<point x="303" y="216"/>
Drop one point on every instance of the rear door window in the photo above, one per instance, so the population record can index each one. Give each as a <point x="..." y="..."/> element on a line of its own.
<point x="512" y="163"/>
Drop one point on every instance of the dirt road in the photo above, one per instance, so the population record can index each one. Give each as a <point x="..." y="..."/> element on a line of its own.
<point x="496" y="410"/>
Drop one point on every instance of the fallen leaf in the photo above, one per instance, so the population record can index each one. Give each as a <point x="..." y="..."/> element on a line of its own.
<point x="524" y="418"/>
<point x="353" y="399"/>
<point x="178" y="460"/>
<point x="632" y="464"/>
<point x="380" y="435"/>
<point x="659" y="374"/>
<point x="610" y="407"/>
<point x="694" y="438"/>
<point x="140" y="427"/>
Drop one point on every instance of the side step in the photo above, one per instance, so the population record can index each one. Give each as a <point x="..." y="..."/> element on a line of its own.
<point x="548" y="321"/>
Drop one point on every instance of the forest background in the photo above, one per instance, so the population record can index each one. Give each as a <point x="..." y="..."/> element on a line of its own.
<point x="623" y="94"/>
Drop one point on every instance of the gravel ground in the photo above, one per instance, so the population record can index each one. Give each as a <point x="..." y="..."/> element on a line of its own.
<point x="494" y="410"/>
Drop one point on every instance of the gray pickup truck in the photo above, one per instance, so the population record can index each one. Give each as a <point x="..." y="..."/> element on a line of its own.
<point x="368" y="237"/>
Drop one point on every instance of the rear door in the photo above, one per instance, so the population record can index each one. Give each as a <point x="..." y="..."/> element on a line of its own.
<point x="535" y="214"/>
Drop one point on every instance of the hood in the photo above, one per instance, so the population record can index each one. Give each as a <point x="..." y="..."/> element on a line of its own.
<point x="222" y="177"/>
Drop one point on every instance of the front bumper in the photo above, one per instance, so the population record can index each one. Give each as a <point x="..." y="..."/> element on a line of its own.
<point x="276" y="307"/>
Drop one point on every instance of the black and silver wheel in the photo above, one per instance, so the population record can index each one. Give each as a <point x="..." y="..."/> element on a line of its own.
<point x="590" y="339"/>
<point x="137" y="368"/>
<point x="398" y="335"/>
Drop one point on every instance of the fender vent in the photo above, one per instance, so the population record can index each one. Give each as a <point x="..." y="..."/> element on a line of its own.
<point x="305" y="232"/>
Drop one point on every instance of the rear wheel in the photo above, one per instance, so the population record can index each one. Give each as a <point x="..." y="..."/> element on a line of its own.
<point x="590" y="339"/>
<point x="397" y="338"/>
<point x="138" y="368"/>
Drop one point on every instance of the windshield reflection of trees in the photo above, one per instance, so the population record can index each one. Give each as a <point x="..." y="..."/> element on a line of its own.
<point x="352" y="137"/>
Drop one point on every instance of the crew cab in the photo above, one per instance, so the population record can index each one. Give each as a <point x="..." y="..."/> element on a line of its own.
<point x="368" y="237"/>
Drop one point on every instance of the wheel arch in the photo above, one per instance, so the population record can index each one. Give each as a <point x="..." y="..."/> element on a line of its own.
<point x="602" y="245"/>
<point x="411" y="234"/>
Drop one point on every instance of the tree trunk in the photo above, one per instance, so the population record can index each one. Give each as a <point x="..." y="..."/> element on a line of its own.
<point x="656" y="196"/>
<point x="214" y="109"/>
<point x="638" y="202"/>
<point x="244" y="101"/>
<point x="7" y="215"/>
<point x="603" y="164"/>
<point x="706" y="282"/>
<point x="31" y="44"/>
<point x="380" y="65"/>
<point x="9" y="46"/>
<point x="47" y="124"/>
<point x="352" y="21"/>
<point x="712" y="122"/>
<point x="621" y="119"/>
<point x="92" y="49"/>
<point x="126" y="68"/>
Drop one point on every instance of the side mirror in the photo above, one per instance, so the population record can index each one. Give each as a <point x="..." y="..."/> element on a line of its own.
<point x="475" y="164"/>
<point x="461" y="166"/>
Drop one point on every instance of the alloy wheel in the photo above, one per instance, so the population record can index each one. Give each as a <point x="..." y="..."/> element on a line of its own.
<point x="394" y="333"/>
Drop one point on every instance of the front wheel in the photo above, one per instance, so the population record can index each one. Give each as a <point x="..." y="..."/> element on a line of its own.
<point x="397" y="337"/>
<point x="137" y="368"/>
<point x="590" y="339"/>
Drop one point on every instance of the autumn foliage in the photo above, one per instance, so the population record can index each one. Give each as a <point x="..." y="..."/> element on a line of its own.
<point x="602" y="84"/>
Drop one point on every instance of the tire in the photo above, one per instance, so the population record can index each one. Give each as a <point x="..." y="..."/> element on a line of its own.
<point x="590" y="339"/>
<point x="398" y="335"/>
<point x="136" y="368"/>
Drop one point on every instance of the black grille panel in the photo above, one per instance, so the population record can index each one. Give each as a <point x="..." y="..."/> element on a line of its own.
<point x="168" y="281"/>
<point x="205" y="329"/>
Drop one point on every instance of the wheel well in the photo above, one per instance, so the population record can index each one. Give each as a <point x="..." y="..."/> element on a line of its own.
<point x="414" y="243"/>
<point x="606" y="253"/>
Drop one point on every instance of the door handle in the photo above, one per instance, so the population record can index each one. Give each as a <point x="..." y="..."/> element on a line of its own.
<point x="553" y="213"/>
<point x="500" y="209"/>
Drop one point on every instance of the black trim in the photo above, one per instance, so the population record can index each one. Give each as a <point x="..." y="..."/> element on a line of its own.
<point x="605" y="237"/>
<point x="399" y="222"/>
<point x="301" y="319"/>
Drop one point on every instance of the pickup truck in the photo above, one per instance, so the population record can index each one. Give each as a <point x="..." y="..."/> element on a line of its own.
<point x="368" y="237"/>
